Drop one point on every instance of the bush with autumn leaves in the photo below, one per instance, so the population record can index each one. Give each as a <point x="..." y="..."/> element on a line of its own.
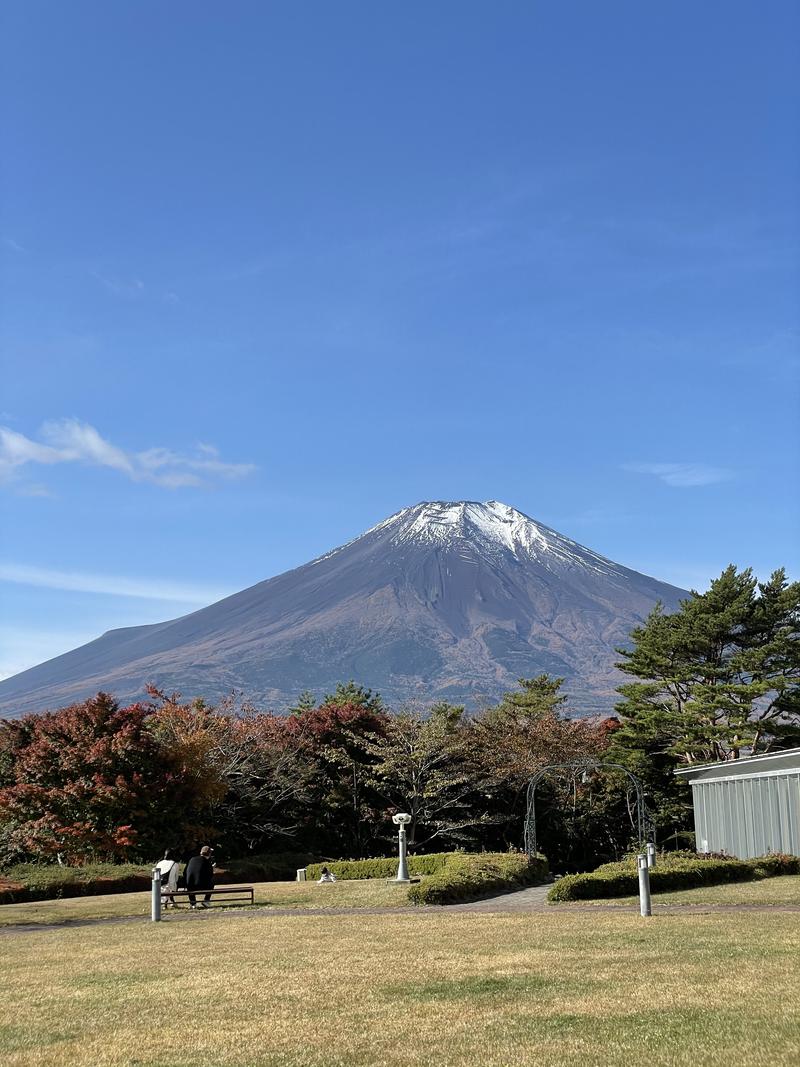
<point x="99" y="782"/>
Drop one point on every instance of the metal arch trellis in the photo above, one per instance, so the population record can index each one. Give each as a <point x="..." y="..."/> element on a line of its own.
<point x="645" y="829"/>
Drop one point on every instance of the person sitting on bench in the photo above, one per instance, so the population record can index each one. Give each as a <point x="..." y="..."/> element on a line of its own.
<point x="199" y="874"/>
<point x="169" y="868"/>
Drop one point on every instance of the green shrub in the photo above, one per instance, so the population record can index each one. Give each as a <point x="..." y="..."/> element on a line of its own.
<point x="675" y="870"/>
<point x="381" y="867"/>
<point x="466" y="877"/>
<point x="776" y="863"/>
<point x="33" y="881"/>
<point x="38" y="881"/>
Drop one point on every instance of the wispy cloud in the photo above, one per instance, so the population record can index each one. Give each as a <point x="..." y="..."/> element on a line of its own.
<point x="72" y="441"/>
<point x="15" y="246"/>
<point x="35" y="489"/>
<point x="133" y="288"/>
<point x="126" y="287"/>
<point x="682" y="475"/>
<point x="110" y="585"/>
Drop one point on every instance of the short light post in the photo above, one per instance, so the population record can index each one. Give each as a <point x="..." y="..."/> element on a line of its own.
<point x="155" y="898"/>
<point x="401" y="820"/>
<point x="645" y="906"/>
<point x="651" y="854"/>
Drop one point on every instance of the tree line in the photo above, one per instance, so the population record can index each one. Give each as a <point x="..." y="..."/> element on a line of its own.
<point x="719" y="678"/>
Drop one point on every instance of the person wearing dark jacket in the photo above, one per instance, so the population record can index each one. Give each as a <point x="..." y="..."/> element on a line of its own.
<point x="199" y="874"/>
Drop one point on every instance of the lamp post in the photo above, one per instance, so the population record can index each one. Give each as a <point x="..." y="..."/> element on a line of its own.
<point x="155" y="896"/>
<point x="401" y="820"/>
<point x="645" y="907"/>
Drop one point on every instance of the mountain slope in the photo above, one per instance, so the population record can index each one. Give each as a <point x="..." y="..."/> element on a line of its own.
<point x="441" y="600"/>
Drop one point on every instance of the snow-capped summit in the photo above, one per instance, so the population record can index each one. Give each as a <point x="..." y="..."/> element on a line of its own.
<point x="493" y="528"/>
<point x="493" y="524"/>
<point x="442" y="600"/>
<point x="439" y="521"/>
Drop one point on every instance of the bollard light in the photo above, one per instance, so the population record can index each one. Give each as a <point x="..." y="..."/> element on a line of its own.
<point x="645" y="906"/>
<point x="155" y="899"/>
<point x="401" y="820"/>
<point x="651" y="854"/>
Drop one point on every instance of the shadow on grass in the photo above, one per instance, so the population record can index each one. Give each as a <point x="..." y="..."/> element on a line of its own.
<point x="15" y="1038"/>
<point x="484" y="987"/>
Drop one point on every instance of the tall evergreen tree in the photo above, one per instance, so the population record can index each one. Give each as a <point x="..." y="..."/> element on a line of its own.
<point x="349" y="694"/>
<point x="772" y="657"/>
<point x="305" y="702"/>
<point x="720" y="676"/>
<point x="536" y="696"/>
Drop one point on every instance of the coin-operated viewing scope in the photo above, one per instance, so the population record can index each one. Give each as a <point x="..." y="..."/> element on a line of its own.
<point x="401" y="820"/>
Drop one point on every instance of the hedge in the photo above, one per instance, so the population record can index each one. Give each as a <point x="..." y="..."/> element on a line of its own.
<point x="33" y="881"/>
<point x="672" y="871"/>
<point x="451" y="876"/>
<point x="381" y="867"/>
<point x="468" y="877"/>
<point x="39" y="881"/>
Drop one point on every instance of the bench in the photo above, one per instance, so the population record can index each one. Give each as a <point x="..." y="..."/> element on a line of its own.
<point x="231" y="892"/>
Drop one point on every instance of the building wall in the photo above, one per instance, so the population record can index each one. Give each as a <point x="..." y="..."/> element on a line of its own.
<point x="750" y="815"/>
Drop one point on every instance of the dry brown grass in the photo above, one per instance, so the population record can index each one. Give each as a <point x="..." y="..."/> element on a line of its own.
<point x="782" y="890"/>
<point x="254" y="990"/>
<point x="365" y="894"/>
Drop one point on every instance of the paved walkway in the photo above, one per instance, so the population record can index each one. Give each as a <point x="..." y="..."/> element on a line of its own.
<point x="535" y="899"/>
<point x="531" y="900"/>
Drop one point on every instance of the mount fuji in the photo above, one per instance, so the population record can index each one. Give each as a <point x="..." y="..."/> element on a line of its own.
<point x="443" y="600"/>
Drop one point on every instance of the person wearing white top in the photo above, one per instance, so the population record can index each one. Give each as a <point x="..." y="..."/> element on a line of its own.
<point x="326" y="876"/>
<point x="169" y="868"/>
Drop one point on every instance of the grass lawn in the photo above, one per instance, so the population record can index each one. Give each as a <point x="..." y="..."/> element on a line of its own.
<point x="451" y="989"/>
<point x="361" y="894"/>
<point x="782" y="890"/>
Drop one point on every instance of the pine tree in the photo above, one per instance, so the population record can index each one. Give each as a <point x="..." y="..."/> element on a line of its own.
<point x="772" y="656"/>
<point x="305" y="702"/>
<point x="350" y="694"/>
<point x="536" y="696"/>
<point x="451" y="714"/>
<point x="719" y="676"/>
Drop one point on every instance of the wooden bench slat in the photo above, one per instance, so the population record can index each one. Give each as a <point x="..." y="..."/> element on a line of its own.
<point x="221" y="889"/>
<point x="243" y="892"/>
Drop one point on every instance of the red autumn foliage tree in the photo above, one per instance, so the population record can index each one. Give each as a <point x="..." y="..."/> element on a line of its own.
<point x="88" y="781"/>
<point x="340" y="726"/>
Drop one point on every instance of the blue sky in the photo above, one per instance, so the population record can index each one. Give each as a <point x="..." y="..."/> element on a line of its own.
<point x="271" y="272"/>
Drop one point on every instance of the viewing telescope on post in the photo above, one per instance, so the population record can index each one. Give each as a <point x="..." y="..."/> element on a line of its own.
<point x="401" y="820"/>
